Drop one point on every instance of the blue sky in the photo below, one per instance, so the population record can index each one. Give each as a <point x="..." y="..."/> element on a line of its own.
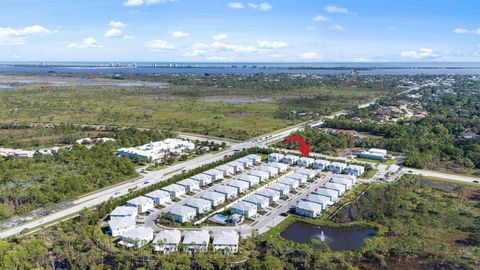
<point x="239" y="31"/>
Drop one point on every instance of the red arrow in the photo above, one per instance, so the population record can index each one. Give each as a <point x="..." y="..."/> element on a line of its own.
<point x="304" y="147"/>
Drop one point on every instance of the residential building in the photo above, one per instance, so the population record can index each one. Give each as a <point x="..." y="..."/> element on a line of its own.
<point x="331" y="194"/>
<point x="256" y="159"/>
<point x="216" y="175"/>
<point x="159" y="196"/>
<point x="320" y="199"/>
<point x="202" y="179"/>
<point x="196" y="241"/>
<point x="200" y="205"/>
<point x="247" y="163"/>
<point x="215" y="198"/>
<point x="237" y="166"/>
<point x="271" y="194"/>
<point x="272" y="171"/>
<point x="227" y="170"/>
<point x="189" y="184"/>
<point x="245" y="209"/>
<point x="280" y="166"/>
<point x="120" y="225"/>
<point x="309" y="173"/>
<point x="290" y="159"/>
<point x="241" y="186"/>
<point x="282" y="188"/>
<point x="337" y="187"/>
<point x="355" y="170"/>
<point x="275" y="157"/>
<point x="182" y="213"/>
<point x="292" y="183"/>
<point x="308" y="209"/>
<point x="142" y="203"/>
<point x="124" y="211"/>
<point x="352" y="178"/>
<point x="320" y="164"/>
<point x="337" y="167"/>
<point x="346" y="182"/>
<point x="305" y="162"/>
<point x="166" y="241"/>
<point x="138" y="237"/>
<point x="301" y="178"/>
<point x="227" y="191"/>
<point x="250" y="179"/>
<point x="262" y="175"/>
<point x="175" y="190"/>
<point x="226" y="241"/>
<point x="260" y="201"/>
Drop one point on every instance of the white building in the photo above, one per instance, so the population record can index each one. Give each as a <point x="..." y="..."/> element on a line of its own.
<point x="290" y="159"/>
<point x="167" y="241"/>
<point x="337" y="167"/>
<point x="246" y="209"/>
<point x="309" y="173"/>
<point x="227" y="191"/>
<point x="157" y="150"/>
<point x="142" y="203"/>
<point x="320" y="164"/>
<point x="189" y="184"/>
<point x="226" y="241"/>
<point x="215" y="198"/>
<point x="159" y="196"/>
<point x="182" y="213"/>
<point x="355" y="170"/>
<point x="271" y="194"/>
<point x="241" y="186"/>
<point x="202" y="179"/>
<point x="200" y="205"/>
<point x="320" y="199"/>
<point x="216" y="175"/>
<point x="247" y="163"/>
<point x="256" y="159"/>
<point x="282" y="188"/>
<point x="308" y="209"/>
<point x="138" y="237"/>
<point x="305" y="162"/>
<point x="262" y="175"/>
<point x="227" y="170"/>
<point x="175" y="190"/>
<point x="352" y="178"/>
<point x="124" y="211"/>
<point x="292" y="183"/>
<point x="250" y="179"/>
<point x="237" y="166"/>
<point x="331" y="194"/>
<point x="120" y="225"/>
<point x="280" y="166"/>
<point x="272" y="171"/>
<point x="301" y="178"/>
<point x="346" y="182"/>
<point x="196" y="241"/>
<point x="378" y="151"/>
<point x="337" y="187"/>
<point x="275" y="157"/>
<point x="260" y="201"/>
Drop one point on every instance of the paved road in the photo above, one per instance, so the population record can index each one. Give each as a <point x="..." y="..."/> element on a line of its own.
<point x="448" y="176"/>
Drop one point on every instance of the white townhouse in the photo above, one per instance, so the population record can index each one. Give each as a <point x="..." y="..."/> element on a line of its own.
<point x="292" y="183"/>
<point x="227" y="170"/>
<point x="290" y="159"/>
<point x="250" y="179"/>
<point x="166" y="241"/>
<point x="138" y="237"/>
<point x="142" y="203"/>
<point x="182" y="213"/>
<point x="282" y="188"/>
<point x="320" y="199"/>
<point x="200" y="205"/>
<point x="346" y="182"/>
<point x="245" y="209"/>
<point x="309" y="173"/>
<point x="159" y="196"/>
<point x="272" y="172"/>
<point x="256" y="159"/>
<point x="260" y="201"/>
<point x="262" y="175"/>
<point x="237" y="166"/>
<point x="355" y="170"/>
<point x="337" y="167"/>
<point x="247" y="163"/>
<point x="331" y="194"/>
<point x="308" y="209"/>
<point x="271" y="194"/>
<point x="241" y="186"/>
<point x="280" y="166"/>
<point x="175" y="190"/>
<point x="120" y="225"/>
<point x="124" y="211"/>
<point x="275" y="157"/>
<point x="352" y="178"/>
<point x="305" y="162"/>
<point x="196" y="241"/>
<point x="301" y="178"/>
<point x="216" y="175"/>
<point x="215" y="198"/>
<point x="202" y="179"/>
<point x="189" y="184"/>
<point x="226" y="241"/>
<point x="320" y="164"/>
<point x="227" y="191"/>
<point x="337" y="187"/>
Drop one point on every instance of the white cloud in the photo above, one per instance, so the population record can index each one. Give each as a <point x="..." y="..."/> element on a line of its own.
<point x="466" y="31"/>
<point x="158" y="44"/>
<point x="114" y="32"/>
<point x="309" y="56"/>
<point x="128" y="37"/>
<point x="310" y="28"/>
<point x="196" y="52"/>
<point x="116" y="24"/>
<point x="337" y="27"/>
<point x="233" y="47"/>
<point x="88" y="42"/>
<point x="218" y="58"/>
<point x="179" y="34"/>
<point x="133" y="3"/>
<point x="252" y="5"/>
<point x="220" y="37"/>
<point x="320" y="18"/>
<point x="423" y="53"/>
<point x="11" y="36"/>
<point x="272" y="44"/>
<point x="265" y="6"/>
<point x="362" y="59"/>
<point x="236" y="5"/>
<point x="340" y="10"/>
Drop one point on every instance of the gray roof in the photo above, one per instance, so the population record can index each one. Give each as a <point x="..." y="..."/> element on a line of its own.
<point x="326" y="191"/>
<point x="318" y="199"/>
<point x="309" y="206"/>
<point x="181" y="210"/>
<point x="139" y="233"/>
<point x="174" y="187"/>
<point x="226" y="189"/>
<point x="197" y="203"/>
<point x="242" y="205"/>
<point x="257" y="199"/>
<point x="268" y="192"/>
<point x="168" y="237"/>
<point x="211" y="195"/>
<point x="188" y="182"/>
<point x="226" y="238"/>
<point x="121" y="222"/>
<point x="158" y="194"/>
<point x="140" y="201"/>
<point x="196" y="237"/>
<point x="124" y="211"/>
<point x="279" y="186"/>
<point x="237" y="183"/>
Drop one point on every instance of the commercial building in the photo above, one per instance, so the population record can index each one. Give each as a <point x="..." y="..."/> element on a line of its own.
<point x="245" y="209"/>
<point x="124" y="211"/>
<point x="305" y="162"/>
<point x="157" y="150"/>
<point x="270" y="170"/>
<point x="280" y="166"/>
<point x="256" y="159"/>
<point x="260" y="201"/>
<point x="227" y="191"/>
<point x="227" y="170"/>
<point x="200" y="205"/>
<point x="241" y="186"/>
<point x="271" y="194"/>
<point x="282" y="188"/>
<point x="337" y="167"/>
<point x="337" y="187"/>
<point x="307" y="172"/>
<point x="196" y="241"/>
<point x="189" y="184"/>
<point x="226" y="241"/>
<point x="292" y="183"/>
<point x="215" y="198"/>
<point x="137" y="237"/>
<point x="142" y="203"/>
<point x="355" y="170"/>
<point x="308" y="209"/>
<point x="290" y="159"/>
<point x="374" y="154"/>
<point x="175" y="190"/>
<point x="202" y="179"/>
<point x="167" y="241"/>
<point x="331" y="194"/>
<point x="250" y="179"/>
<point x="319" y="199"/>
<point x="320" y="164"/>
<point x="262" y="175"/>
<point x="120" y="225"/>
<point x="275" y="157"/>
<point x="182" y="213"/>
<point x="159" y="196"/>
<point x="216" y="175"/>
